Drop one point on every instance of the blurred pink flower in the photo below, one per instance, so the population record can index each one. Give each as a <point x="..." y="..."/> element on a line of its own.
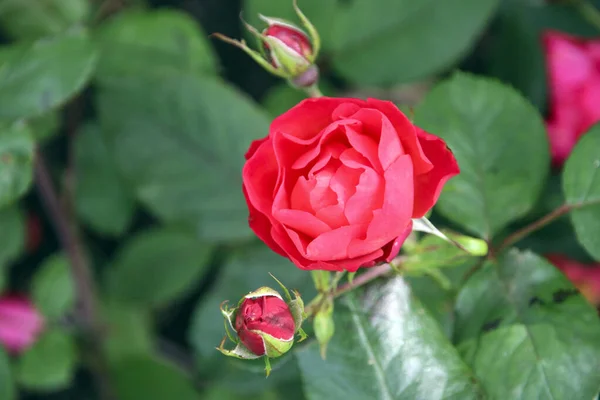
<point x="574" y="85"/>
<point x="20" y="323"/>
<point x="586" y="277"/>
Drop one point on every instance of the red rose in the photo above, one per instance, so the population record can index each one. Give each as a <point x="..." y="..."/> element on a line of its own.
<point x="265" y="325"/>
<point x="335" y="184"/>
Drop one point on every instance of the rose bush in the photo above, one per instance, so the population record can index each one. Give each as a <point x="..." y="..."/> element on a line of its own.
<point x="336" y="183"/>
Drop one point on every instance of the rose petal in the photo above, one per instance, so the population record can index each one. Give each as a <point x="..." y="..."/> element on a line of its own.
<point x="392" y="249"/>
<point x="368" y="197"/>
<point x="333" y="245"/>
<point x="428" y="186"/>
<point x="364" y="145"/>
<point x="406" y="132"/>
<point x="390" y="221"/>
<point x="345" y="110"/>
<point x="300" y="198"/>
<point x="568" y="64"/>
<point x="259" y="176"/>
<point x="302" y="221"/>
<point x="344" y="182"/>
<point x="262" y="226"/>
<point x="308" y="118"/>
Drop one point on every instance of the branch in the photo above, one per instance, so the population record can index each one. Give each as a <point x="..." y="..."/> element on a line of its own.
<point x="87" y="315"/>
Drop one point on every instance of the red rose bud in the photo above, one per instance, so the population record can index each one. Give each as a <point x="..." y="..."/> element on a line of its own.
<point x="288" y="52"/>
<point x="265" y="324"/>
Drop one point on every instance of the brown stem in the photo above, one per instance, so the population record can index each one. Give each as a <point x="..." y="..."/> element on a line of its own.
<point x="534" y="226"/>
<point x="88" y="315"/>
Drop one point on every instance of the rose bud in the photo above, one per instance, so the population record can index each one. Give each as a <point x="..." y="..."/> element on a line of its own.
<point x="337" y="182"/>
<point x="287" y="51"/>
<point x="265" y="325"/>
<point x="20" y="323"/>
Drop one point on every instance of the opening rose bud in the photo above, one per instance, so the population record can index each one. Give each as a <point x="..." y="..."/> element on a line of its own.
<point x="287" y="51"/>
<point x="265" y="325"/>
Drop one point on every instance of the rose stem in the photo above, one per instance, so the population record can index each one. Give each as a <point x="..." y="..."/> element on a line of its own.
<point x="88" y="315"/>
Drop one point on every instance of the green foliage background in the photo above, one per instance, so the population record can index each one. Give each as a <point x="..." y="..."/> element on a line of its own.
<point x="143" y="121"/>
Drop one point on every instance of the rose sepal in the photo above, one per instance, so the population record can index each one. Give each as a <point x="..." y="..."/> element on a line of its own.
<point x="473" y="246"/>
<point x="296" y="306"/>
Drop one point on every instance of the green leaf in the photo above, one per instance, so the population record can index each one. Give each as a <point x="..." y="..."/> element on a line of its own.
<point x="52" y="287"/>
<point x="156" y="267"/>
<point x="581" y="185"/>
<point x="41" y="76"/>
<point x="12" y="234"/>
<point x="102" y="197"/>
<point x="386" y="347"/>
<point x="16" y="160"/>
<point x="247" y="270"/>
<point x="157" y="42"/>
<point x="7" y="388"/>
<point x="500" y="144"/>
<point x="50" y="364"/>
<point x="27" y="19"/>
<point x="181" y="141"/>
<point x="515" y="37"/>
<point x="319" y="12"/>
<point x="129" y="331"/>
<point x="527" y="332"/>
<point x="381" y="42"/>
<point x="146" y="378"/>
<point x="45" y="126"/>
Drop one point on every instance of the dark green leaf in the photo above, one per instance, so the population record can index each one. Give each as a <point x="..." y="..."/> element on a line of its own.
<point x="581" y="185"/>
<point x="7" y="388"/>
<point x="527" y="332"/>
<point x="386" y="347"/>
<point x="52" y="287"/>
<point x="500" y="144"/>
<point x="319" y="12"/>
<point x="12" y="234"/>
<point x="246" y="270"/>
<point x="102" y="197"/>
<point x="148" y="43"/>
<point x="16" y="160"/>
<point x="50" y="364"/>
<point x="129" y="331"/>
<point x="45" y="126"/>
<point x="38" y="77"/>
<point x="181" y="141"/>
<point x="26" y="19"/>
<point x="156" y="267"/>
<point x="391" y="41"/>
<point x="514" y="52"/>
<point x="146" y="378"/>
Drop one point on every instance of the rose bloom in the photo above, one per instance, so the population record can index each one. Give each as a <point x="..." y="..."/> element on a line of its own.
<point x="20" y="323"/>
<point x="574" y="84"/>
<point x="336" y="183"/>
<point x="265" y="315"/>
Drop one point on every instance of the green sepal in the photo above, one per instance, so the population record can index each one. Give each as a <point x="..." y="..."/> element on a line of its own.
<point x="312" y="31"/>
<point x="229" y="314"/>
<point x="473" y="246"/>
<point x="275" y="347"/>
<point x="287" y="60"/>
<point x="297" y="309"/>
<point x="351" y="276"/>
<point x="240" y="351"/>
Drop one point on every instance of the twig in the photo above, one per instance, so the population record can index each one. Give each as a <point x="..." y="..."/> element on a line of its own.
<point x="534" y="226"/>
<point x="88" y="315"/>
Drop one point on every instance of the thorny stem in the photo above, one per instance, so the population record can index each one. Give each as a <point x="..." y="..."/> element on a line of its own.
<point x="88" y="314"/>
